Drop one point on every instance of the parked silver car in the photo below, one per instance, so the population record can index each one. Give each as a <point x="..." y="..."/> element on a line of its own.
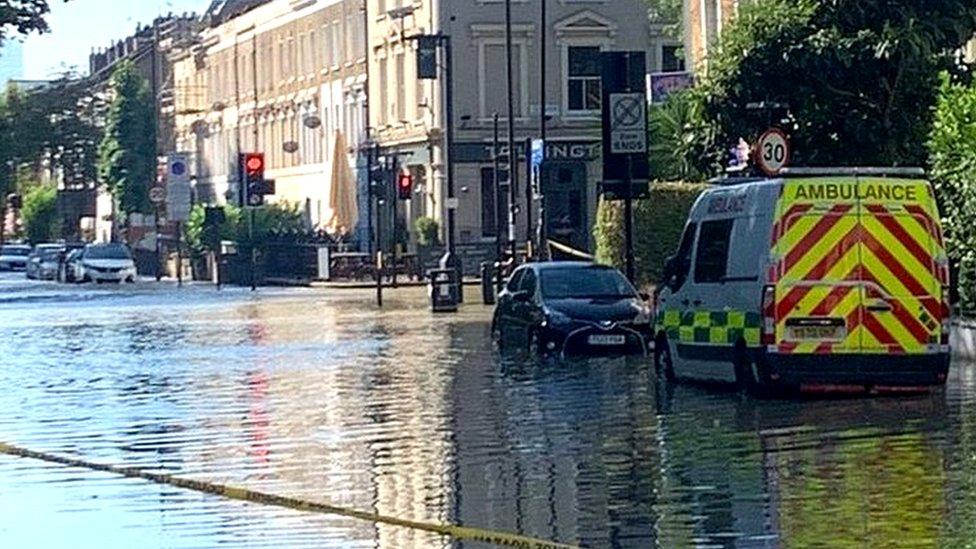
<point x="43" y="262"/>
<point x="13" y="257"/>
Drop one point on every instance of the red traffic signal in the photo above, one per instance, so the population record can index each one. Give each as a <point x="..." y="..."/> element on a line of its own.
<point x="253" y="164"/>
<point x="405" y="186"/>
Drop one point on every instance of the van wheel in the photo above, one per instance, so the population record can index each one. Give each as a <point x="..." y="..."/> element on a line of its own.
<point x="663" y="365"/>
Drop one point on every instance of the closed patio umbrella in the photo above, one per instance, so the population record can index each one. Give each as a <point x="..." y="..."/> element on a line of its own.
<point x="342" y="193"/>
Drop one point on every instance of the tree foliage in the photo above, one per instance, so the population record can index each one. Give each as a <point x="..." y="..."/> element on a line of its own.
<point x="953" y="156"/>
<point x="275" y="222"/>
<point x="23" y="17"/>
<point x="667" y="13"/>
<point x="127" y="154"/>
<point x="860" y="77"/>
<point x="40" y="214"/>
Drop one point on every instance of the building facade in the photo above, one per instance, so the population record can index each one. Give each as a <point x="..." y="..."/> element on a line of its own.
<point x="408" y="115"/>
<point x="282" y="77"/>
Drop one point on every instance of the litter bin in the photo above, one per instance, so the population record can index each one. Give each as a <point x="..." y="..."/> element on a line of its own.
<point x="488" y="283"/>
<point x="443" y="290"/>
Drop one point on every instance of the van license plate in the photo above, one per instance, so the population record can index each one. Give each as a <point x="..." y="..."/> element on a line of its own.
<point x="816" y="333"/>
<point x="607" y="340"/>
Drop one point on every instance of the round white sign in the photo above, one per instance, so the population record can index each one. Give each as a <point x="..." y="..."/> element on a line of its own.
<point x="773" y="152"/>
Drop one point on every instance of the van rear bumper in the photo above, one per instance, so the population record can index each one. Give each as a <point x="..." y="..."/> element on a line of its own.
<point x="887" y="370"/>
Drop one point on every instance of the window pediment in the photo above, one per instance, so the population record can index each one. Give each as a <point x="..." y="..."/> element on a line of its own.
<point x="585" y="23"/>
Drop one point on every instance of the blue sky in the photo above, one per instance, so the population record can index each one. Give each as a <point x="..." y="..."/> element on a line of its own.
<point x="80" y="25"/>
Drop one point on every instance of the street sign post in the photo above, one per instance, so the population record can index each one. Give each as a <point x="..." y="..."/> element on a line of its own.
<point x="772" y="152"/>
<point x="179" y="191"/>
<point x="179" y="201"/>
<point x="626" y="170"/>
<point x="628" y="123"/>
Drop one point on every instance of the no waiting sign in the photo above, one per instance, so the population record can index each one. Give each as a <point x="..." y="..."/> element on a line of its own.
<point x="628" y="123"/>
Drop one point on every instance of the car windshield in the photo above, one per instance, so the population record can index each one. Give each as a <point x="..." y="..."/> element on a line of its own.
<point x="14" y="250"/>
<point x="108" y="252"/>
<point x="49" y="255"/>
<point x="585" y="283"/>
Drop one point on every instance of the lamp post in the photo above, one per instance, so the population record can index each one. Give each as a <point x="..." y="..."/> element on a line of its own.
<point x="512" y="162"/>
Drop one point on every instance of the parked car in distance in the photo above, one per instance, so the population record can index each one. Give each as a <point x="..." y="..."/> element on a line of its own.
<point x="43" y="262"/>
<point x="105" y="263"/>
<point x="572" y="309"/>
<point x="13" y="257"/>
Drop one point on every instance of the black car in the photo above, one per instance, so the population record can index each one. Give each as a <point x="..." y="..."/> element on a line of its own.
<point x="571" y="309"/>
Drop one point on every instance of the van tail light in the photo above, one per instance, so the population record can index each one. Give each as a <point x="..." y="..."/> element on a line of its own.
<point x="946" y="316"/>
<point x="769" y="315"/>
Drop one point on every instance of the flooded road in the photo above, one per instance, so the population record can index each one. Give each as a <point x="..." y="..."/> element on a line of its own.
<point x="317" y="395"/>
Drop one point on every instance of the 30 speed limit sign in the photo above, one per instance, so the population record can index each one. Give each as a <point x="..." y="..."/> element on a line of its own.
<point x="773" y="152"/>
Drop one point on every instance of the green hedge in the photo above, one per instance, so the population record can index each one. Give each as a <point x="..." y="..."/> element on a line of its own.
<point x="658" y="222"/>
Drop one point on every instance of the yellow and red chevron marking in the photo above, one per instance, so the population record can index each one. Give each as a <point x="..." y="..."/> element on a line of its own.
<point x="835" y="259"/>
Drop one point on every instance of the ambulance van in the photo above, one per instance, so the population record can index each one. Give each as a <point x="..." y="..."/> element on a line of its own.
<point x="817" y="280"/>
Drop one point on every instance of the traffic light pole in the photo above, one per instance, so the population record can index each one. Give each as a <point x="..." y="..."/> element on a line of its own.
<point x="450" y="259"/>
<point x="254" y="250"/>
<point x="499" y="252"/>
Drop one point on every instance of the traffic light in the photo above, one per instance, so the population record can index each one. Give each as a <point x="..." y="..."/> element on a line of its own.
<point x="405" y="186"/>
<point x="252" y="170"/>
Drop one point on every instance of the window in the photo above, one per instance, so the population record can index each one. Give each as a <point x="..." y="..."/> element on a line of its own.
<point x="671" y="59"/>
<point x="494" y="80"/>
<point x="712" y="257"/>
<point x="585" y="79"/>
<point x="682" y="260"/>
<point x="401" y="84"/>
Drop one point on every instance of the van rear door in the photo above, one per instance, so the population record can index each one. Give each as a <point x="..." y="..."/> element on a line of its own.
<point x="901" y="267"/>
<point x="816" y="267"/>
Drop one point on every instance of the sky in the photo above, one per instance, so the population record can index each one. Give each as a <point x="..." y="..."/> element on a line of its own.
<point x="80" y="25"/>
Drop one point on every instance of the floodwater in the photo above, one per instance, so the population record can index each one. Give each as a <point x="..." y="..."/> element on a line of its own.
<point x="317" y="395"/>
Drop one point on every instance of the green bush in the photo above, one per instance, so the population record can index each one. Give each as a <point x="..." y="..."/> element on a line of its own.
<point x="279" y="222"/>
<point x="952" y="146"/>
<point x="658" y="222"/>
<point x="427" y="231"/>
<point x="40" y="214"/>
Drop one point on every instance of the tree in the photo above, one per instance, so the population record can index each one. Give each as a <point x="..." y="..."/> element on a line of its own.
<point x="667" y="13"/>
<point x="23" y="17"/>
<point x="40" y="214"/>
<point x="860" y="77"/>
<point x="127" y="154"/>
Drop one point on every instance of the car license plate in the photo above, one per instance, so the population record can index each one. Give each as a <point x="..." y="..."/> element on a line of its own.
<point x="607" y="340"/>
<point x="817" y="333"/>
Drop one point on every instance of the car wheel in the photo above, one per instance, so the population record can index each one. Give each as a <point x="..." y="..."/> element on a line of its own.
<point x="663" y="364"/>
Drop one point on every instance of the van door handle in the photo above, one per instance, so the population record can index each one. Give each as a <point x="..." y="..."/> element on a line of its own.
<point x="880" y="308"/>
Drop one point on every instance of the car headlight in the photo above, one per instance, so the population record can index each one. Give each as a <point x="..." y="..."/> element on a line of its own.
<point x="556" y="318"/>
<point x="643" y="315"/>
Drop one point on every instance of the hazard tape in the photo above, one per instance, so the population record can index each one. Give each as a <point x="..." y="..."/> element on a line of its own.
<point x="460" y="533"/>
<point x="570" y="251"/>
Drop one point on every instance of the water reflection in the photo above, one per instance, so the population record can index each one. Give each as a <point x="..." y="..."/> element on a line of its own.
<point x="409" y="415"/>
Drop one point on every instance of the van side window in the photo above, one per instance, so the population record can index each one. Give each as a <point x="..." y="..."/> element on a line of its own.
<point x="712" y="257"/>
<point x="683" y="258"/>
